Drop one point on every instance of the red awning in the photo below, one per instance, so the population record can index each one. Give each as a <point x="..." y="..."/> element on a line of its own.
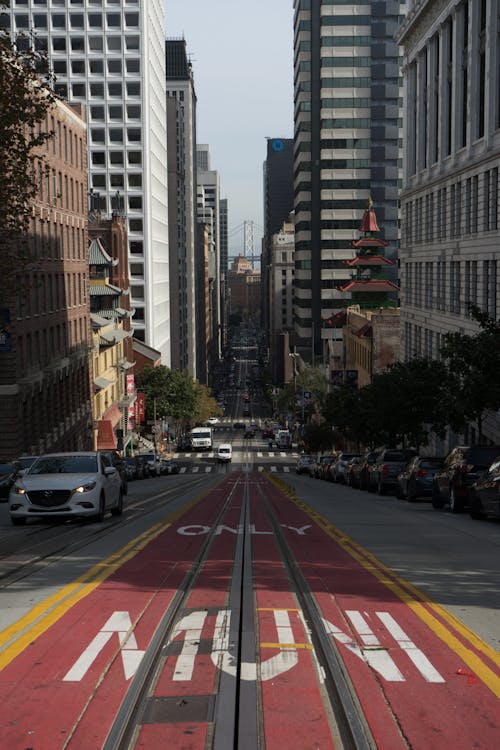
<point x="106" y="439"/>
<point x="113" y="414"/>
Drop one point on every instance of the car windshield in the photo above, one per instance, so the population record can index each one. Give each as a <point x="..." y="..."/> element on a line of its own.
<point x="25" y="461"/>
<point x="65" y="465"/>
<point x="6" y="469"/>
<point x="131" y="461"/>
<point x="482" y="455"/>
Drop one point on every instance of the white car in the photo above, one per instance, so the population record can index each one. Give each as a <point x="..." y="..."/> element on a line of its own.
<point x="213" y="420"/>
<point x="224" y="452"/>
<point x="64" y="485"/>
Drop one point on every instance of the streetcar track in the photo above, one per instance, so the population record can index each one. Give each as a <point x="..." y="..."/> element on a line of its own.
<point x="39" y="561"/>
<point x="126" y="724"/>
<point x="235" y="720"/>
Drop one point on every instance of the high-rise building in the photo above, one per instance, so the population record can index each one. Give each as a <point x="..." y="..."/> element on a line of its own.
<point x="450" y="198"/>
<point x="278" y="204"/>
<point x="223" y="236"/>
<point x="208" y="206"/>
<point x="111" y="57"/>
<point x="347" y="130"/>
<point x="182" y="223"/>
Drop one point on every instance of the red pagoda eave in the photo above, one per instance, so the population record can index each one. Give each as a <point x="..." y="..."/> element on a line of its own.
<point x="369" y="242"/>
<point x="369" y="260"/>
<point x="369" y="223"/>
<point x="372" y="285"/>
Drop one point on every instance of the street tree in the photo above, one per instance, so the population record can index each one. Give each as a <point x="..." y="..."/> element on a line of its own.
<point x="473" y="364"/>
<point x="319" y="437"/>
<point x="168" y="393"/>
<point x="25" y="98"/>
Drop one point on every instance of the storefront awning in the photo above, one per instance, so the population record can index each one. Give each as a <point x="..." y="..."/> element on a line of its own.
<point x="102" y="382"/>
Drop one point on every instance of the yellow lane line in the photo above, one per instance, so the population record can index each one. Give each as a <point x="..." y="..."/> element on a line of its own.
<point x="39" y="619"/>
<point x="407" y="594"/>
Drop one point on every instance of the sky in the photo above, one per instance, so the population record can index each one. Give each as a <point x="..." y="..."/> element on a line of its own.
<point x="242" y="56"/>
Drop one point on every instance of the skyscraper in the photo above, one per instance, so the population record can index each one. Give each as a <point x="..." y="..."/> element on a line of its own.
<point x="347" y="119"/>
<point x="181" y="137"/>
<point x="111" y="57"/>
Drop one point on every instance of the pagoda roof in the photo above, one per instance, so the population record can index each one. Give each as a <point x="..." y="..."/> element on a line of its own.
<point x="369" y="260"/>
<point x="98" y="255"/>
<point x="369" y="242"/>
<point x="336" y="319"/>
<point x="371" y="285"/>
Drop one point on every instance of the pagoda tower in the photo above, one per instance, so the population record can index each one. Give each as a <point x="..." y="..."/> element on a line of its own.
<point x="369" y="286"/>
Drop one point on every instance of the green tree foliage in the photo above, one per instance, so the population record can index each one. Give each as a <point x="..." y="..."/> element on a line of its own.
<point x="319" y="437"/>
<point x="473" y="364"/>
<point x="25" y="98"/>
<point x="175" y="394"/>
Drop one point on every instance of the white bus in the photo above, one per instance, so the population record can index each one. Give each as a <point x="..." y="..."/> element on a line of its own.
<point x="201" y="438"/>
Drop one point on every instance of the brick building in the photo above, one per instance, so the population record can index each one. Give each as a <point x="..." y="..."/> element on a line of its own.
<point x="44" y="357"/>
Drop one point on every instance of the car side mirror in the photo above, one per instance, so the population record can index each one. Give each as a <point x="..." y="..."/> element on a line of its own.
<point x="108" y="470"/>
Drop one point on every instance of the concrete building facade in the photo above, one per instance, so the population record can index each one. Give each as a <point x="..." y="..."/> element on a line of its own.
<point x="347" y="146"/>
<point x="111" y="57"/>
<point x="184" y="264"/>
<point x="449" y="201"/>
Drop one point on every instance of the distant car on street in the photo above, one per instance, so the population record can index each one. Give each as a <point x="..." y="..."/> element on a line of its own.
<point x="225" y="453"/>
<point x="169" y="466"/>
<point x="304" y="463"/>
<point x="416" y="478"/>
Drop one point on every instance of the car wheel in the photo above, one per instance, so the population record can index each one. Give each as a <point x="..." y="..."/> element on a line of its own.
<point x="118" y="509"/>
<point x="18" y="521"/>
<point x="102" y="509"/>
<point x="411" y="497"/>
<point x="455" y="503"/>
<point x="436" y="500"/>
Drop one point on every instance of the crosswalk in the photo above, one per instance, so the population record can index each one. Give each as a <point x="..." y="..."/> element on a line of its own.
<point x="259" y="454"/>
<point x="273" y="469"/>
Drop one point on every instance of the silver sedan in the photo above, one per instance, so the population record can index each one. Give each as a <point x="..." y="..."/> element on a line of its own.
<point x="65" y="485"/>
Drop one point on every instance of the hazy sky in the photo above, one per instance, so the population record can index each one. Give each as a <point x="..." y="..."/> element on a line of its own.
<point x="242" y="55"/>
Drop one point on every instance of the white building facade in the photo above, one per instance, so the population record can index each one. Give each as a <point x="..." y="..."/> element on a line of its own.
<point x="110" y="55"/>
<point x="449" y="202"/>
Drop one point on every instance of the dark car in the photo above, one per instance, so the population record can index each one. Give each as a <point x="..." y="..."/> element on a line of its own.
<point x="462" y="467"/>
<point x="8" y="475"/>
<point x="134" y="468"/>
<point x="337" y="471"/>
<point x="152" y="462"/>
<point x="485" y="493"/>
<point x="169" y="466"/>
<point x="239" y="426"/>
<point x="383" y="473"/>
<point x="117" y="461"/>
<point x="417" y="476"/>
<point x="359" y="472"/>
<point x="349" y="473"/>
<point x="304" y="463"/>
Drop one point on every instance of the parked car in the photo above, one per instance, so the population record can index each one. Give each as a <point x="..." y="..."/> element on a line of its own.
<point x="303" y="463"/>
<point x="324" y="465"/>
<point x="462" y="467"/>
<point x="169" y="466"/>
<point x="317" y="467"/>
<point x="65" y="485"/>
<point x="337" y="471"/>
<point x="8" y="475"/>
<point x="485" y="493"/>
<point x="416" y="478"/>
<point x="349" y="473"/>
<point x="117" y="461"/>
<point x="359" y="477"/>
<point x="383" y="472"/>
<point x="153" y="463"/>
<point x="134" y="468"/>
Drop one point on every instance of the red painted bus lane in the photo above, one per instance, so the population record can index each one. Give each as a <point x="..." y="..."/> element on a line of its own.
<point x="399" y="666"/>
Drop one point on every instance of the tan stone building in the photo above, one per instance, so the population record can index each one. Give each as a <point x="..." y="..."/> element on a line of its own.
<point x="243" y="284"/>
